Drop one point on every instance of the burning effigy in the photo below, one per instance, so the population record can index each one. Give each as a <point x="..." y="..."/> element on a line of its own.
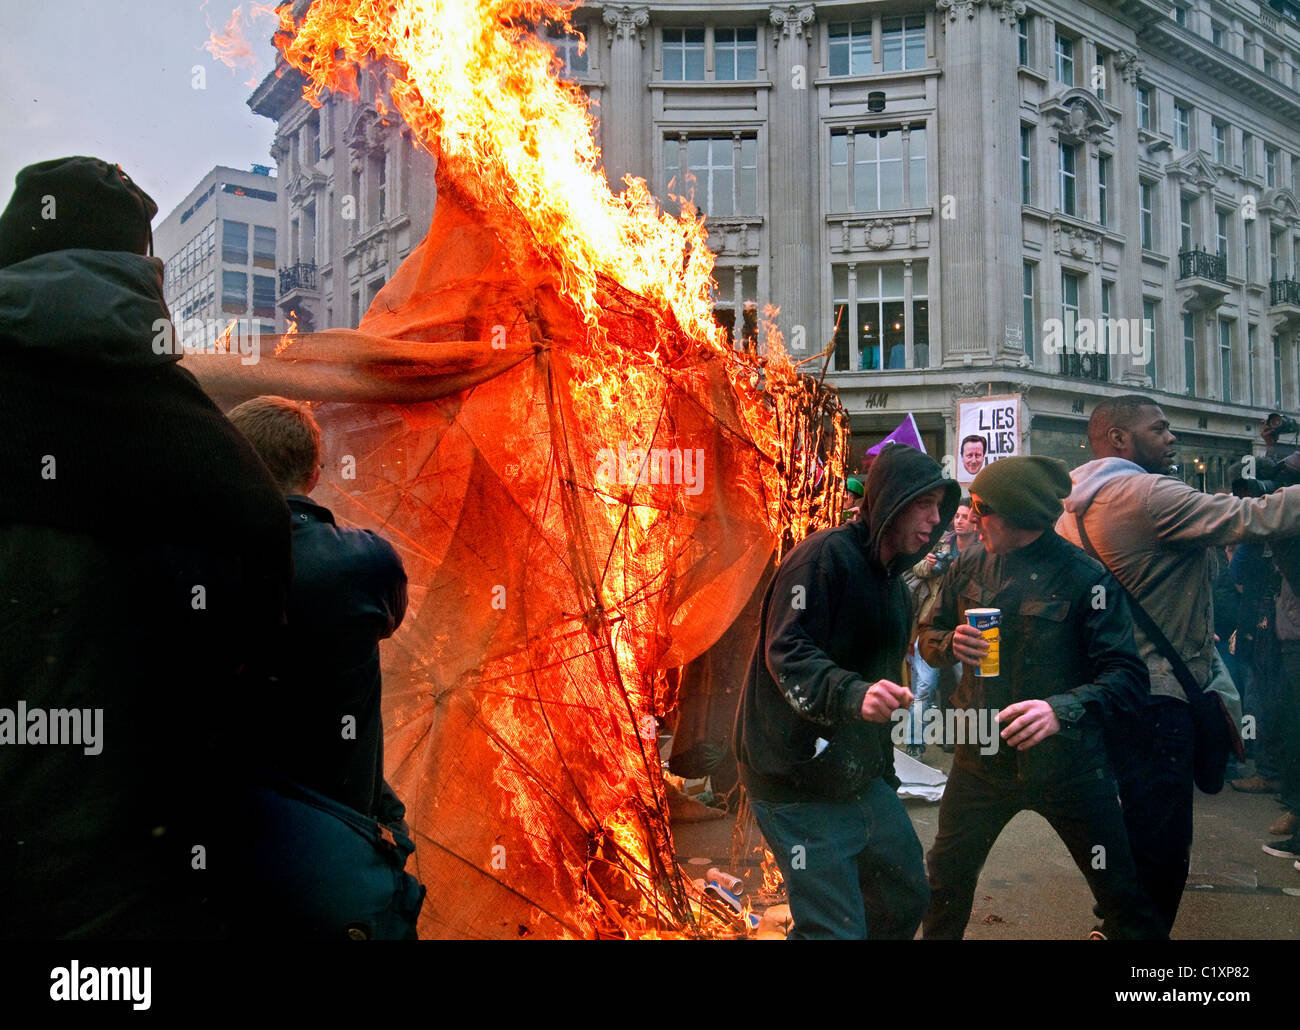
<point x="584" y="478"/>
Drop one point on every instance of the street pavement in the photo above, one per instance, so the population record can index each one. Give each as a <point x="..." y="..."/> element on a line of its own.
<point x="1030" y="888"/>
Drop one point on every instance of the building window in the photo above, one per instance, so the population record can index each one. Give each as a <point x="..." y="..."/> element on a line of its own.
<point x="379" y="163"/>
<point x="1270" y="65"/>
<point x="1220" y="143"/>
<point x="234" y="293"/>
<point x="1182" y="127"/>
<point x="1099" y="80"/>
<point x="1149" y="313"/>
<point x="879" y="323"/>
<point x="1216" y="34"/>
<point x="1270" y="166"/>
<point x="1069" y="303"/>
<point x="1022" y="40"/>
<point x="1274" y="261"/>
<point x="867" y="169"/>
<point x="1066" y="175"/>
<point x="1185" y="222"/>
<point x="234" y="242"/>
<point x="1146" y="211"/>
<point x="735" y="54"/>
<point x="1144" y="108"/>
<point x="263" y="246"/>
<point x="1027" y="308"/>
<point x="1221" y="233"/>
<point x="1277" y="370"/>
<point x="571" y="50"/>
<point x="264" y="296"/>
<point x="684" y="55"/>
<point x="1225" y="361"/>
<point x="736" y="305"/>
<point x="1248" y="246"/>
<point x="1180" y="16"/>
<point x="1026" y="164"/>
<point x="850" y="47"/>
<point x="719" y="172"/>
<point x="1064" y="55"/>
<point x="1252" y="335"/>
<point x="1103" y="186"/>
<point x="1189" y="354"/>
<point x="1247" y="154"/>
<point x="902" y="43"/>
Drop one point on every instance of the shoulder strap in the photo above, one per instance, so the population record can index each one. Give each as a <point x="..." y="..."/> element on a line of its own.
<point x="1148" y="624"/>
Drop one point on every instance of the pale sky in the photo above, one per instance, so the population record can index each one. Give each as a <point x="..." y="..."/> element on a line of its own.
<point x="114" y="79"/>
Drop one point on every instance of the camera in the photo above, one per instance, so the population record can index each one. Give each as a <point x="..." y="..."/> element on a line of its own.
<point x="1280" y="468"/>
<point x="942" y="559"/>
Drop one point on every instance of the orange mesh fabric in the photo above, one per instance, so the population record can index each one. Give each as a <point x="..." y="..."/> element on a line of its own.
<point x="549" y="590"/>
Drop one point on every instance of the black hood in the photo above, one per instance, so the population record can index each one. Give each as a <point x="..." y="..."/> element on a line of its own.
<point x="898" y="476"/>
<point x="100" y="307"/>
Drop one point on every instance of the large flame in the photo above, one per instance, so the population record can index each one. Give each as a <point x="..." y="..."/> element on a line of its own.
<point x="478" y="87"/>
<point x="634" y="359"/>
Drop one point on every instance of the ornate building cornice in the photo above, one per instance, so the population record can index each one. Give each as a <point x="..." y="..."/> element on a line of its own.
<point x="791" y="19"/>
<point x="626" y="21"/>
<point x="1129" y="65"/>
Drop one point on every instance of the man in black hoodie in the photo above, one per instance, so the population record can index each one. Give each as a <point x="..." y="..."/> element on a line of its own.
<point x="813" y="727"/>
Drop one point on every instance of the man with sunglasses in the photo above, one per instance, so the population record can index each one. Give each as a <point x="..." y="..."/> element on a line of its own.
<point x="1067" y="662"/>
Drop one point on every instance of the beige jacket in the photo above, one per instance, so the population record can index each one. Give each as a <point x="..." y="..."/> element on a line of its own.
<point x="1153" y="532"/>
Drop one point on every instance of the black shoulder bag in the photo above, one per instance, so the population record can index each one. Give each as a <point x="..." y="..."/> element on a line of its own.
<point x="1215" y="733"/>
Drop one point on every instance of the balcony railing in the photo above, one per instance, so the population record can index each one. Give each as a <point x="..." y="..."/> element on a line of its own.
<point x="1086" y="366"/>
<point x="1201" y="264"/>
<point x="301" y="276"/>
<point x="1284" y="291"/>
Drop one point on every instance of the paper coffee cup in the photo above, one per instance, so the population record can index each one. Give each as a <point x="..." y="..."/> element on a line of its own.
<point x="987" y="621"/>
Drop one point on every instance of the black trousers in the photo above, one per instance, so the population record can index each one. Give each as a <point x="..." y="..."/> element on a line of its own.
<point x="1085" y="814"/>
<point x="1152" y="754"/>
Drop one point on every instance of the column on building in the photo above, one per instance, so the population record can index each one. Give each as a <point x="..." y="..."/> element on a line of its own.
<point x="1128" y="283"/>
<point x="792" y="139"/>
<point x="625" y="95"/>
<point x="982" y="242"/>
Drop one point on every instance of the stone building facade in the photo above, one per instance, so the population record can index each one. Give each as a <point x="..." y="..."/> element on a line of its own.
<point x="926" y="187"/>
<point x="950" y="199"/>
<point x="357" y="198"/>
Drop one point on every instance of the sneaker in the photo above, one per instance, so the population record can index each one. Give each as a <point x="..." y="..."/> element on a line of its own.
<point x="1289" y="848"/>
<point x="1095" y="934"/>
<point x="1256" y="785"/>
<point x="1285" y="823"/>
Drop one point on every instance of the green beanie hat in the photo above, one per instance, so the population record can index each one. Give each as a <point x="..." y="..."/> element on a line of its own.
<point x="1027" y="491"/>
<point x="854" y="486"/>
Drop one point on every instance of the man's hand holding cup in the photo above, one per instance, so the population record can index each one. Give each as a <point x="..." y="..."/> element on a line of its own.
<point x="969" y="644"/>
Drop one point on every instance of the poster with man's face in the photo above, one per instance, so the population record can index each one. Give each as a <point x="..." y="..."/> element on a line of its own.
<point x="988" y="428"/>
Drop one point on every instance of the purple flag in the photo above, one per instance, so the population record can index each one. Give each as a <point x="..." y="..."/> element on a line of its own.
<point x="905" y="433"/>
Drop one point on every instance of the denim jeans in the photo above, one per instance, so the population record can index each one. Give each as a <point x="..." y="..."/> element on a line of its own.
<point x="925" y="679"/>
<point x="1152" y="753"/>
<point x="1085" y="815"/>
<point x="853" y="869"/>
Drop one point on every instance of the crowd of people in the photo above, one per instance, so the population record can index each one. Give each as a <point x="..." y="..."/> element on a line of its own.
<point x="1101" y="578"/>
<point x="166" y="575"/>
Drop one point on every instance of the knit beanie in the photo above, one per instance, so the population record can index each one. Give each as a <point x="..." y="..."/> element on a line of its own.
<point x="74" y="202"/>
<point x="1026" y="491"/>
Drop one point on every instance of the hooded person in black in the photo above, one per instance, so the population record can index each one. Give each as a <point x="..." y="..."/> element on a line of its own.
<point x="813" y="727"/>
<point x="144" y="564"/>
